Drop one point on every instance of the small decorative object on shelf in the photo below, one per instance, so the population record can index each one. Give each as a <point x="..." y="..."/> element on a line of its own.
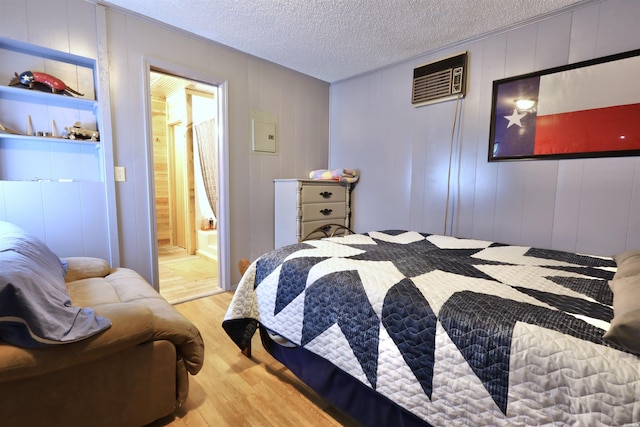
<point x="78" y="132"/>
<point x="38" y="80"/>
<point x="4" y="129"/>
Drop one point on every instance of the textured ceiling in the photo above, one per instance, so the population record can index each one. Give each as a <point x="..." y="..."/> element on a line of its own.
<point x="336" y="39"/>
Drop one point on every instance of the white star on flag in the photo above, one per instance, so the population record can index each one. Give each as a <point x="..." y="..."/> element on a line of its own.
<point x="514" y="119"/>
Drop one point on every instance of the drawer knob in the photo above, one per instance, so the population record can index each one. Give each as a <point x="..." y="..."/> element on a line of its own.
<point x="326" y="211"/>
<point x="326" y="194"/>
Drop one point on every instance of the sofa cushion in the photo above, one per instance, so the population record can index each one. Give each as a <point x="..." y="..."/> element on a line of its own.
<point x="126" y="287"/>
<point x="35" y="308"/>
<point x="131" y="326"/>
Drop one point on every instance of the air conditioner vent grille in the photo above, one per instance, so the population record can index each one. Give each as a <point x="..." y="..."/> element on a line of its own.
<point x="432" y="86"/>
<point x="440" y="80"/>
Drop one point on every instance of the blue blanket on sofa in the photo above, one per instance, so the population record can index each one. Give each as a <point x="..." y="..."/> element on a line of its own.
<point x="35" y="308"/>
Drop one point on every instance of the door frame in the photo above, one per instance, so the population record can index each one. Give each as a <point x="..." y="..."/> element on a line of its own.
<point x="154" y="64"/>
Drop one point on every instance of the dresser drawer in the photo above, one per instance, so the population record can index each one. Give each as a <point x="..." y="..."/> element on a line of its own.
<point x="322" y="211"/>
<point x="322" y="193"/>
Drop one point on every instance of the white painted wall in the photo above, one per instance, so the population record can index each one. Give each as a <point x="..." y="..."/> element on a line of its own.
<point x="73" y="218"/>
<point x="590" y="205"/>
<point x="584" y="205"/>
<point x="301" y="104"/>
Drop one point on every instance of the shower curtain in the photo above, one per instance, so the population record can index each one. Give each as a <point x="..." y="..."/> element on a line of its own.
<point x="208" y="150"/>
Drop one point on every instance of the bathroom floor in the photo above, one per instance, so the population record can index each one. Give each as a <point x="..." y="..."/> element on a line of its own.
<point x="186" y="277"/>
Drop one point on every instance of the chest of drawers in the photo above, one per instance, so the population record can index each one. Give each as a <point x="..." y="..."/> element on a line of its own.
<point x="302" y="205"/>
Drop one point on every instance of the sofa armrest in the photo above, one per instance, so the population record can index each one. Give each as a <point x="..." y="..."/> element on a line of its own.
<point x="132" y="324"/>
<point x="85" y="267"/>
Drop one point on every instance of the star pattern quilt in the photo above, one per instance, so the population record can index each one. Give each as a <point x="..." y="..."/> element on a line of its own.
<point x="455" y="331"/>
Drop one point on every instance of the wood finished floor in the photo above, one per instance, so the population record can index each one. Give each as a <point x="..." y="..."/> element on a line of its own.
<point x="234" y="390"/>
<point x="185" y="277"/>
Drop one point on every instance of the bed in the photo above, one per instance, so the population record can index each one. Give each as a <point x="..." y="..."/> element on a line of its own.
<point x="412" y="329"/>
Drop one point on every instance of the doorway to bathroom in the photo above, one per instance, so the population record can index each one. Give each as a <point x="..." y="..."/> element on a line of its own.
<point x="185" y="134"/>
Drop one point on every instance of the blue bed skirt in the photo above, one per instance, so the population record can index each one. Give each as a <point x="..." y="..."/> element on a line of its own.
<point x="340" y="389"/>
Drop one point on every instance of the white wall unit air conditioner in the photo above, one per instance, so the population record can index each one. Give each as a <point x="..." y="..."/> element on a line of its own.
<point x="440" y="80"/>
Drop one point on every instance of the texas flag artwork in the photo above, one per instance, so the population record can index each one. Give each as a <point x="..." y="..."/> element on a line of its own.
<point x="585" y="111"/>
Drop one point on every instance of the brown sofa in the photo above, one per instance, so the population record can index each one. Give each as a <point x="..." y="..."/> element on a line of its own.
<point x="129" y="374"/>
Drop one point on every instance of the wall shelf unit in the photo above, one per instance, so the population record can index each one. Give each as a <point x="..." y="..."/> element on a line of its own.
<point x="56" y="187"/>
<point x="36" y="96"/>
<point x="50" y="139"/>
<point x="31" y="113"/>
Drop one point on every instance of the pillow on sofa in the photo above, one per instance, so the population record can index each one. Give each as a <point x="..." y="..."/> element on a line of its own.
<point x="78" y="268"/>
<point x="35" y="308"/>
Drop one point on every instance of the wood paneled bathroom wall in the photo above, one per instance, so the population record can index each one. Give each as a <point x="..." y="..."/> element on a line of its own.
<point x="161" y="168"/>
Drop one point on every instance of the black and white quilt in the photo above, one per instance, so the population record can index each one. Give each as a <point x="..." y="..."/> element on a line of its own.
<point x="456" y="331"/>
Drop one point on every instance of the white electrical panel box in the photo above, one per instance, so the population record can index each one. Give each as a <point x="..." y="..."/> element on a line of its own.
<point x="263" y="132"/>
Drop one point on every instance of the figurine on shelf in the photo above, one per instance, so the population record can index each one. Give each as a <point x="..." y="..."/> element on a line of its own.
<point x="32" y="79"/>
<point x="78" y="132"/>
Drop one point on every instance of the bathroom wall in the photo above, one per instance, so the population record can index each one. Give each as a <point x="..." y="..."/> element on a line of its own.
<point x="161" y="168"/>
